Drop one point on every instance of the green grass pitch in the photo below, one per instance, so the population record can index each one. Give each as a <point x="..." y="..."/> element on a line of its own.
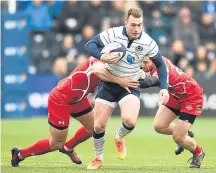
<point x="148" y="152"/>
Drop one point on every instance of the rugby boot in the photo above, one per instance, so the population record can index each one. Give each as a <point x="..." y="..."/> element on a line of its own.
<point x="72" y="155"/>
<point x="15" y="159"/>
<point x="121" y="149"/>
<point x="95" y="164"/>
<point x="196" y="160"/>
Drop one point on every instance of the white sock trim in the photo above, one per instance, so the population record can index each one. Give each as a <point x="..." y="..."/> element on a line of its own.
<point x="117" y="137"/>
<point x="67" y="149"/>
<point x="200" y="153"/>
<point x="19" y="156"/>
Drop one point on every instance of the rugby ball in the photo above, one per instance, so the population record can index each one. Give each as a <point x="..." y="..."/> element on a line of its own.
<point x="115" y="49"/>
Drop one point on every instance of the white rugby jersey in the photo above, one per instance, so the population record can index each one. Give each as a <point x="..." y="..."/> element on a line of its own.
<point x="130" y="64"/>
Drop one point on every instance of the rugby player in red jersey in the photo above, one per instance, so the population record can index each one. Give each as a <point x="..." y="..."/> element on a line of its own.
<point x="186" y="101"/>
<point x="69" y="98"/>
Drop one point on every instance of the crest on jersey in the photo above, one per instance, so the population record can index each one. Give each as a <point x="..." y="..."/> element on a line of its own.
<point x="198" y="109"/>
<point x="139" y="48"/>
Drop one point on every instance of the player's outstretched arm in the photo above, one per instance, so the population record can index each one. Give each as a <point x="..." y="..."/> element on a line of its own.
<point x="161" y="69"/>
<point x="162" y="73"/>
<point x="101" y="72"/>
<point x="149" y="82"/>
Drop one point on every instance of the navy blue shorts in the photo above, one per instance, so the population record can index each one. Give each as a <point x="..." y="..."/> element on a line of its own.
<point x="113" y="92"/>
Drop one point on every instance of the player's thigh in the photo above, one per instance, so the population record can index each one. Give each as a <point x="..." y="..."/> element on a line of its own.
<point x="164" y="117"/>
<point x="83" y="113"/>
<point x="102" y="111"/>
<point x="130" y="107"/>
<point x="57" y="135"/>
<point x="58" y="119"/>
<point x="58" y="111"/>
<point x="87" y="120"/>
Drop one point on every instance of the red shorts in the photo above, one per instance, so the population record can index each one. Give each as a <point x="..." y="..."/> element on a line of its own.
<point x="59" y="111"/>
<point x="191" y="105"/>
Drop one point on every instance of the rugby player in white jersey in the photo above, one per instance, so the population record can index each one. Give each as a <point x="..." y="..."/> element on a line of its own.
<point x="139" y="45"/>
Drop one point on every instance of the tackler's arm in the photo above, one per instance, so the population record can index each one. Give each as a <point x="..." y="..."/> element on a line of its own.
<point x="101" y="72"/>
<point x="149" y="82"/>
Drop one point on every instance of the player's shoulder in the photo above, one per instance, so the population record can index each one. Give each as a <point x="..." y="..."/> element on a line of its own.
<point x="145" y="38"/>
<point x="113" y="32"/>
<point x="168" y="62"/>
<point x="118" y="30"/>
<point x="165" y="59"/>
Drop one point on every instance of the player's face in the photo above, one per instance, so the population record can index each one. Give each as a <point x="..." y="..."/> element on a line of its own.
<point x="147" y="65"/>
<point x="133" y="27"/>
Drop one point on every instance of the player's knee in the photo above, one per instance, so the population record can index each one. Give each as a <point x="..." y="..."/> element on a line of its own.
<point x="99" y="128"/>
<point x="178" y="138"/>
<point x="159" y="127"/>
<point x="55" y="145"/>
<point x="129" y="122"/>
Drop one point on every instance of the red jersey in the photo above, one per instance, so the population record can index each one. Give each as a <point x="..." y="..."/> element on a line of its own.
<point x="180" y="84"/>
<point x="79" y="83"/>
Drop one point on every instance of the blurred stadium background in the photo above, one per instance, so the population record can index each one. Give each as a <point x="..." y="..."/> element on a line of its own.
<point x="42" y="42"/>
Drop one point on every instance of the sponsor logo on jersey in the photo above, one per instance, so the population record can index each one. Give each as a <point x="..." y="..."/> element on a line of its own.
<point x="189" y="107"/>
<point x="132" y="58"/>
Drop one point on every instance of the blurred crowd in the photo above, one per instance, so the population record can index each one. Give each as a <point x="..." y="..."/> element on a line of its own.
<point x="184" y="30"/>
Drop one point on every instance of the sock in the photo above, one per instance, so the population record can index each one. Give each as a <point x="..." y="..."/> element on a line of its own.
<point x="98" y="140"/>
<point x="123" y="131"/>
<point x="40" y="147"/>
<point x="198" y="150"/>
<point x="80" y="136"/>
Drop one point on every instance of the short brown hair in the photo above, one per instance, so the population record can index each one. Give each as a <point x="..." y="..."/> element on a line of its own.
<point x="135" y="12"/>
